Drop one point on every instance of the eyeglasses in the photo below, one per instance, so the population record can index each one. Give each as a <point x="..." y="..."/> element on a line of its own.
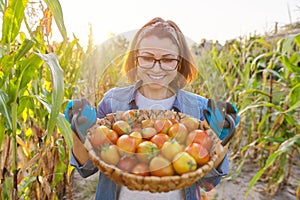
<point x="167" y="64"/>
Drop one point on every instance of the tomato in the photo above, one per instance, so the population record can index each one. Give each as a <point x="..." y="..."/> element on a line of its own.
<point x="126" y="144"/>
<point x="190" y="123"/>
<point x="136" y="127"/>
<point x="130" y="116"/>
<point x="184" y="163"/>
<point x="199" y="136"/>
<point x="162" y="125"/>
<point x="170" y="148"/>
<point x="146" y="151"/>
<point x="147" y="123"/>
<point x="109" y="154"/>
<point x="121" y="127"/>
<point x="198" y="152"/>
<point x="127" y="162"/>
<point x="179" y="132"/>
<point x="148" y="132"/>
<point x="159" y="139"/>
<point x="137" y="136"/>
<point x="98" y="136"/>
<point x="160" y="166"/>
<point x="141" y="169"/>
<point x="112" y="136"/>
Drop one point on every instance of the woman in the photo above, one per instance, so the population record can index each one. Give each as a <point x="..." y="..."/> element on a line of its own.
<point x="160" y="64"/>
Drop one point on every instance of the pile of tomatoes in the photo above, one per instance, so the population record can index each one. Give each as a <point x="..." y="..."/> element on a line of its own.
<point x="152" y="147"/>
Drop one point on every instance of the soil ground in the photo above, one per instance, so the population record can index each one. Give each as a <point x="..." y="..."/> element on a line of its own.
<point x="228" y="189"/>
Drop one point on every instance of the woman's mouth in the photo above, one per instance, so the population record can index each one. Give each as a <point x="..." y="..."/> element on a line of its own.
<point x="156" y="77"/>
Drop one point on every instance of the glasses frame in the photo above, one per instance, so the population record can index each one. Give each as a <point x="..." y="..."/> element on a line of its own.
<point x="159" y="62"/>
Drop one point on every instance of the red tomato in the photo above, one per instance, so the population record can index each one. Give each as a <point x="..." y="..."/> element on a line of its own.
<point x="199" y="136"/>
<point x="190" y="123"/>
<point x="127" y="162"/>
<point x="184" y="163"/>
<point x="146" y="151"/>
<point x="98" y="136"/>
<point x="126" y="144"/>
<point x="162" y="125"/>
<point x="141" y="169"/>
<point x="148" y="132"/>
<point x="170" y="148"/>
<point x="160" y="166"/>
<point x="159" y="139"/>
<point x="198" y="152"/>
<point x="121" y="127"/>
<point x="109" y="154"/>
<point x="179" y="132"/>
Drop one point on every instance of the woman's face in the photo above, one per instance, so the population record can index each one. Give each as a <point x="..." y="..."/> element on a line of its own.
<point x="156" y="78"/>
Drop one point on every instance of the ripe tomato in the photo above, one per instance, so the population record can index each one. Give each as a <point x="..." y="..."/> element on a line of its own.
<point x="141" y="169"/>
<point x="148" y="132"/>
<point x="159" y="139"/>
<point x="109" y="154"/>
<point x="98" y="136"/>
<point x="198" y="152"/>
<point x="190" y="123"/>
<point x="127" y="162"/>
<point x="160" y="166"/>
<point x="184" y="162"/>
<point x="112" y="136"/>
<point x="199" y="136"/>
<point x="137" y="136"/>
<point x="126" y="144"/>
<point x="121" y="127"/>
<point x="179" y="132"/>
<point x="162" y="125"/>
<point x="170" y="148"/>
<point x="146" y="151"/>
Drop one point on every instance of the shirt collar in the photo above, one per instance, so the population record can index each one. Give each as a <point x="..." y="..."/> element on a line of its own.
<point x="176" y="106"/>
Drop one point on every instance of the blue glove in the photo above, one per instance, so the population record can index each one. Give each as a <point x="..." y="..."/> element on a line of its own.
<point x="222" y="118"/>
<point x="81" y="115"/>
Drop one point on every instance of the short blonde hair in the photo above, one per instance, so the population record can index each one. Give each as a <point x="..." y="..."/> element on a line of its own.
<point x="162" y="28"/>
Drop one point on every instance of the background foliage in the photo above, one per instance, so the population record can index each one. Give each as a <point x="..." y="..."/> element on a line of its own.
<point x="37" y="77"/>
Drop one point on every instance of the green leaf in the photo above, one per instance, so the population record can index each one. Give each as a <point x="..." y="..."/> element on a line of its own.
<point x="289" y="65"/>
<point x="294" y="94"/>
<point x="58" y="88"/>
<point x="12" y="19"/>
<point x="4" y="109"/>
<point x="56" y="10"/>
<point x="23" y="49"/>
<point x="2" y="129"/>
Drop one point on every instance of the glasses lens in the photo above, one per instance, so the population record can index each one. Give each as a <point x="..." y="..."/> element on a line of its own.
<point x="167" y="64"/>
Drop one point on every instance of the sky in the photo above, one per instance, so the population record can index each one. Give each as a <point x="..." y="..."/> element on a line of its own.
<point x="198" y="19"/>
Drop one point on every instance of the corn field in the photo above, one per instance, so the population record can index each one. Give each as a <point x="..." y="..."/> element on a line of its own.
<point x="259" y="74"/>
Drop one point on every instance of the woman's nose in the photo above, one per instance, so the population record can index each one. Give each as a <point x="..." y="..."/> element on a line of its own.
<point x="156" y="66"/>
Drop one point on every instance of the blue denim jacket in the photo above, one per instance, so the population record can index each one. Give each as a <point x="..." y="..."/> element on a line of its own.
<point x="122" y="99"/>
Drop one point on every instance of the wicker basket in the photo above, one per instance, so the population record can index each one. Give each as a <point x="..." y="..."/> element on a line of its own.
<point x="152" y="183"/>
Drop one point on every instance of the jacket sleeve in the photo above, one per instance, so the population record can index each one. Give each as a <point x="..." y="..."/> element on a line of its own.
<point x="85" y="170"/>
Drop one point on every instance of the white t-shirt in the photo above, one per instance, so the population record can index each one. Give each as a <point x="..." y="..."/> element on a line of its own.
<point x="144" y="103"/>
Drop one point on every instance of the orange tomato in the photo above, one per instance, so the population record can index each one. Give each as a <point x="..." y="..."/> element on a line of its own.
<point x="121" y="127"/>
<point x="160" y="166"/>
<point x="112" y="136"/>
<point x="198" y="152"/>
<point x="137" y="136"/>
<point x="190" y="123"/>
<point x="98" y="136"/>
<point x="184" y="163"/>
<point x="199" y="136"/>
<point x="130" y="116"/>
<point x="162" y="125"/>
<point x="147" y="123"/>
<point x="148" y="132"/>
<point x="126" y="144"/>
<point x="179" y="132"/>
<point x="159" y="139"/>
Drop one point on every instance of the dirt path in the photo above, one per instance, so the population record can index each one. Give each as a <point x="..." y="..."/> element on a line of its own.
<point x="228" y="189"/>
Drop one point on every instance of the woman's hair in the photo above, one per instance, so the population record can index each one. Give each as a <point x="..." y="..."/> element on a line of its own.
<point x="162" y="29"/>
